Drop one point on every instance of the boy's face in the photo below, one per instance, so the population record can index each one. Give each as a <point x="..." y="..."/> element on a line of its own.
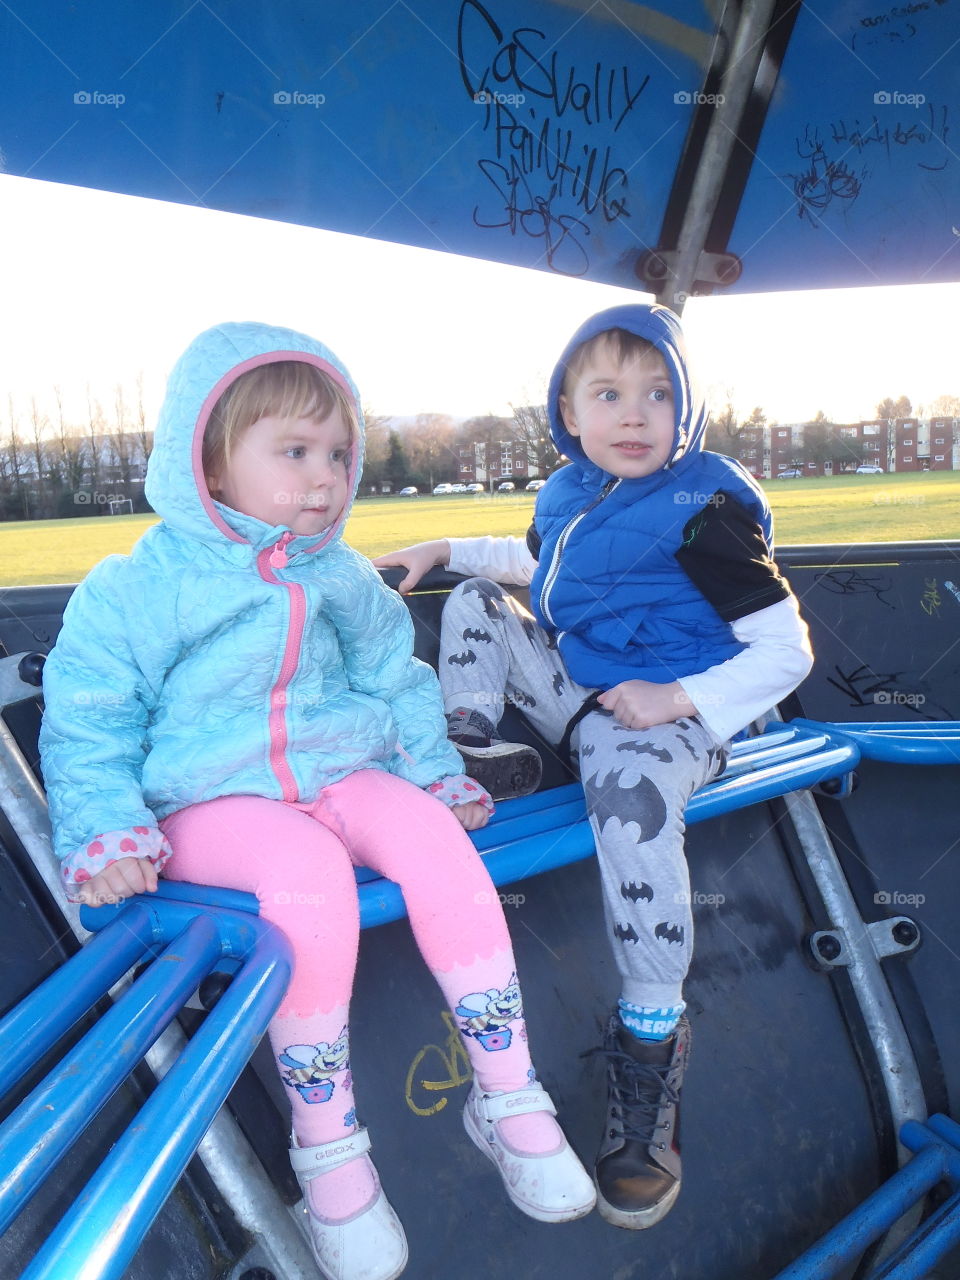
<point x="622" y="412"/>
<point x="290" y="471"/>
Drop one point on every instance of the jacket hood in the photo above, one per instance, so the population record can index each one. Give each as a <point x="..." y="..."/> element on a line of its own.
<point x="176" y="487"/>
<point x="659" y="326"/>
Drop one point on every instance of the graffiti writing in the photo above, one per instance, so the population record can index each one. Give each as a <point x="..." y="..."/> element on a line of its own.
<point x="932" y="127"/>
<point x="862" y="685"/>
<point x="823" y="181"/>
<point x="845" y="582"/>
<point x="546" y="171"/>
<point x="930" y="600"/>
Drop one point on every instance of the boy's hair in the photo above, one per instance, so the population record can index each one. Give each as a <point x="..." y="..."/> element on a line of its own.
<point x="284" y="389"/>
<point x="625" y="347"/>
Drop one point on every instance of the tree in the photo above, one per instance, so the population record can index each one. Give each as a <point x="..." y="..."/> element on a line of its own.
<point x="376" y="449"/>
<point x="19" y="491"/>
<point x="734" y="439"/>
<point x="38" y="428"/>
<point x="889" y="409"/>
<point x="397" y="468"/>
<point x="945" y="407"/>
<point x="432" y="449"/>
<point x="531" y="427"/>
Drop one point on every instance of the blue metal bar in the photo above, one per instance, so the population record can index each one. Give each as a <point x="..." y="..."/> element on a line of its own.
<point x="556" y="833"/>
<point x="844" y="1244"/>
<point x="49" y="1121"/>
<point x="925" y="1247"/>
<point x="930" y="742"/>
<point x="100" y="1233"/>
<point x="41" y="1018"/>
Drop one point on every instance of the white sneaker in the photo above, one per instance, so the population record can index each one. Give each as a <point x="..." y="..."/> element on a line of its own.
<point x="553" y="1187"/>
<point x="370" y="1245"/>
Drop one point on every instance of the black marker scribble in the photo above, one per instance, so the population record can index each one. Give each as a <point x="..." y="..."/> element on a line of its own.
<point x="847" y="582"/>
<point x="823" y="181"/>
<point x="862" y="684"/>
<point x="546" y="172"/>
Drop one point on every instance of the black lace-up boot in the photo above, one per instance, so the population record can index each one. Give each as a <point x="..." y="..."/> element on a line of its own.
<point x="505" y="769"/>
<point x="638" y="1165"/>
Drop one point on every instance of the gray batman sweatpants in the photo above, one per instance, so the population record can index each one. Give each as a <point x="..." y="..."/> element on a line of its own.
<point x="636" y="781"/>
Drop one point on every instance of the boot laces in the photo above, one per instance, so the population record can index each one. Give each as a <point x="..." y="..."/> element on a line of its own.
<point x="638" y="1091"/>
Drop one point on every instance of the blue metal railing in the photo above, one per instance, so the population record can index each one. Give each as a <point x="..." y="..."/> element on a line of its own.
<point x="185" y="941"/>
<point x="925" y="742"/>
<point x="937" y="1144"/>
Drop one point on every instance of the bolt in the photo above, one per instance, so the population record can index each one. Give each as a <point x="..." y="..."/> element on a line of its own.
<point x="828" y="946"/>
<point x="905" y="933"/>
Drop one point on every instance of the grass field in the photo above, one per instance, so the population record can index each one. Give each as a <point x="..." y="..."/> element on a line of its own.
<point x="830" y="510"/>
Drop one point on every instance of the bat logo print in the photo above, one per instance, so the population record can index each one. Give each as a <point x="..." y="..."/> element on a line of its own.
<point x="521" y="699"/>
<point x="626" y="933"/>
<point x="647" y="749"/>
<point x="485" y="636"/>
<point x="558" y="685"/>
<point x="488" y="593"/>
<point x="634" y="892"/>
<point x="462" y="659"/>
<point x="587" y="749"/>
<point x="672" y="933"/>
<point x="686" y="742"/>
<point x="641" y="804"/>
<point x="530" y="629"/>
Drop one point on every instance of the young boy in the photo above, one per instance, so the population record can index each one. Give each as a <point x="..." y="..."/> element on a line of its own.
<point x="661" y="628"/>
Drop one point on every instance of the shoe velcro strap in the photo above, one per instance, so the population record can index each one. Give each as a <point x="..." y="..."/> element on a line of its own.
<point x="499" y="1106"/>
<point x="310" y="1162"/>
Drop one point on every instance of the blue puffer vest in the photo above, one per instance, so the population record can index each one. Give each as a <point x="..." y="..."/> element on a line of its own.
<point x="608" y="583"/>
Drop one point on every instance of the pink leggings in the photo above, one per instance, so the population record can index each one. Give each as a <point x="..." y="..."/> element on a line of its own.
<point x="299" y="860"/>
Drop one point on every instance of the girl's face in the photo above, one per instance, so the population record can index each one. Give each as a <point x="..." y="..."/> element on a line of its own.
<point x="289" y="471"/>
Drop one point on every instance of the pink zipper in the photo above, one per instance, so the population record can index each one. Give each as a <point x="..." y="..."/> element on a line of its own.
<point x="267" y="561"/>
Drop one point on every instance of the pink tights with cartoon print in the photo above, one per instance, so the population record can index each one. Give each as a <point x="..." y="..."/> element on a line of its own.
<point x="299" y="860"/>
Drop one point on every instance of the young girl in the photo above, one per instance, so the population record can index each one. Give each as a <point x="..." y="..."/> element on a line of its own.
<point x="236" y="703"/>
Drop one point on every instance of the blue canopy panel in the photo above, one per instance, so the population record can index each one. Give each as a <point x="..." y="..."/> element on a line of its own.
<point x="534" y="134"/>
<point x="583" y="139"/>
<point x="856" y="179"/>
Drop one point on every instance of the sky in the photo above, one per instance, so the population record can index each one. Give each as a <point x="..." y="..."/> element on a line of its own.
<point x="99" y="289"/>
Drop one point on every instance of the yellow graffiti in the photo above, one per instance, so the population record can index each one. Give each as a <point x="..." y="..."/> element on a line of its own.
<point x="930" y="601"/>
<point x="454" y="1060"/>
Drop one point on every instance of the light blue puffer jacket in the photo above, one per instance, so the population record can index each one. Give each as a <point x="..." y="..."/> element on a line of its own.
<point x="198" y="666"/>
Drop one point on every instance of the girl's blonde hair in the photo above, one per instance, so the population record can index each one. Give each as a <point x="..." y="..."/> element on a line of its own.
<point x="284" y="389"/>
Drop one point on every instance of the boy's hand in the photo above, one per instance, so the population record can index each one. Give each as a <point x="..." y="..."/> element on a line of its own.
<point x="122" y="879"/>
<point x="638" y="704"/>
<point x="418" y="559"/>
<point x="471" y="816"/>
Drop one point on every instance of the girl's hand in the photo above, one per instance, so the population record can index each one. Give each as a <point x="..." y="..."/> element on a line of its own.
<point x="638" y="704"/>
<point x="418" y="559"/>
<point x="122" y="879"/>
<point x="471" y="816"/>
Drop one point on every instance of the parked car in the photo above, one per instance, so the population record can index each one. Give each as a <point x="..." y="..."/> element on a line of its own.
<point x="791" y="473"/>
<point x="475" y="487"/>
<point x="458" y="488"/>
<point x="506" y="486"/>
<point x="443" y="488"/>
<point x="533" y="485"/>
<point x="869" y="469"/>
<point x="410" y="491"/>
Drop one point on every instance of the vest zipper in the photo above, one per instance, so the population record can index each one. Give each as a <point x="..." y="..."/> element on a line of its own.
<point x="554" y="569"/>
<point x="268" y="560"/>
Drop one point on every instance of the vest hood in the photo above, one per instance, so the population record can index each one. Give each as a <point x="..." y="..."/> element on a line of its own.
<point x="176" y="487"/>
<point x="659" y="326"/>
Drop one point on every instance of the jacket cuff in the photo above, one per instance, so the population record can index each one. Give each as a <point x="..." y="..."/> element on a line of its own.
<point x="457" y="788"/>
<point x="129" y="842"/>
